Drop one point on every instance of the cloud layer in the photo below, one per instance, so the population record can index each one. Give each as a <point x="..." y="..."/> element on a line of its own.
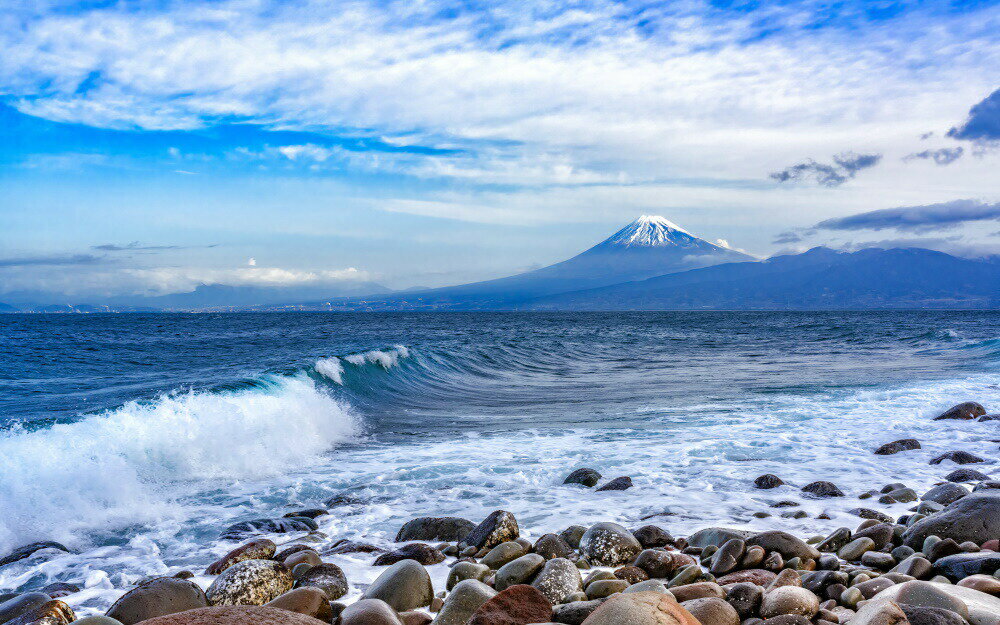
<point x="926" y="218"/>
<point x="983" y="123"/>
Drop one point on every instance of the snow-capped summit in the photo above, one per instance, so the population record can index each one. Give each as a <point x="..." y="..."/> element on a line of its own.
<point x="651" y="231"/>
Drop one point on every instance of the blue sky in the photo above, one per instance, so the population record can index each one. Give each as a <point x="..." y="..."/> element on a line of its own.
<point x="149" y="146"/>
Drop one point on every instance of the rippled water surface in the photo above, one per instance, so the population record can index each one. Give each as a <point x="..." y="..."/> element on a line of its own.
<point x="134" y="439"/>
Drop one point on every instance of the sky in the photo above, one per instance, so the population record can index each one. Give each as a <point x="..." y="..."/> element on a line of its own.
<point x="150" y="146"/>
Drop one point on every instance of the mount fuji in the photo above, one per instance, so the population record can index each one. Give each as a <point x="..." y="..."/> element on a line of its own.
<point x="649" y="246"/>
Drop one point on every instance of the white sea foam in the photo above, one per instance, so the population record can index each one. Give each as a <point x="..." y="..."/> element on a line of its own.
<point x="386" y="358"/>
<point x="124" y="466"/>
<point x="331" y="369"/>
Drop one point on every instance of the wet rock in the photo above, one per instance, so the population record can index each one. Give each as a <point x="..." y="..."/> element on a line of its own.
<point x="405" y="585"/>
<point x="463" y="601"/>
<point x="698" y="590"/>
<point x="727" y="557"/>
<point x="881" y="534"/>
<point x="988" y="584"/>
<point x="880" y="613"/>
<point x="868" y="513"/>
<point x="605" y="588"/>
<point x="649" y="585"/>
<point x="958" y="457"/>
<point x="427" y="528"/>
<point x="260" y="549"/>
<point x="784" y="543"/>
<point x="250" y="582"/>
<point x="789" y="600"/>
<point x="609" y="544"/>
<point x="745" y="598"/>
<point x="309" y="601"/>
<point x="499" y="527"/>
<point x="712" y="611"/>
<point x="757" y="577"/>
<point x="52" y="612"/>
<point x="964" y="411"/>
<point x="238" y="615"/>
<point x="925" y="594"/>
<point x="835" y="540"/>
<point x="29" y="550"/>
<point x="422" y="553"/>
<point x="344" y="499"/>
<point x="619" y="483"/>
<point x="268" y="526"/>
<point x="574" y="612"/>
<point x="966" y="475"/>
<point x="641" y="608"/>
<point x="899" y="495"/>
<point x="657" y="563"/>
<point x="306" y="556"/>
<point x="19" y="604"/>
<point x="519" y="571"/>
<point x="517" y="605"/>
<point x="946" y="493"/>
<point x="552" y="546"/>
<point x="502" y="554"/>
<point x="349" y="546"/>
<point x="326" y="577"/>
<point x="572" y="535"/>
<point x="369" y="612"/>
<point x="822" y="489"/>
<point x="853" y="550"/>
<point x="558" y="578"/>
<point x="632" y="574"/>
<point x="650" y="536"/>
<point x="915" y="566"/>
<point x="157" y="597"/>
<point x="767" y="481"/>
<point x="96" y="619"/>
<point x="962" y="565"/>
<point x="905" y="444"/>
<point x="584" y="476"/>
<point x="975" y="517"/>
<point x="716" y="536"/>
<point x="917" y="615"/>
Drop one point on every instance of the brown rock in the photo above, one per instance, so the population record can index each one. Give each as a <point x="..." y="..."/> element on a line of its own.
<point x="53" y="612"/>
<point x="631" y="574"/>
<point x="309" y="601"/>
<point x="238" y="615"/>
<point x="698" y="590"/>
<point x="759" y="577"/>
<point x="157" y="597"/>
<point x="415" y="618"/>
<point x="306" y="556"/>
<point x="712" y="611"/>
<point x="517" y="605"/>
<point x="983" y="583"/>
<point x="369" y="612"/>
<point x="641" y="608"/>
<point x="260" y="549"/>
<point x="422" y="553"/>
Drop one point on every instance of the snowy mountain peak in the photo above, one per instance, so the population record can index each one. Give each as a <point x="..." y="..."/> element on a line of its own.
<point x="652" y="231"/>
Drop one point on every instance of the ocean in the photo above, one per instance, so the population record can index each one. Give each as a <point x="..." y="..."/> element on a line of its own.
<point x="135" y="439"/>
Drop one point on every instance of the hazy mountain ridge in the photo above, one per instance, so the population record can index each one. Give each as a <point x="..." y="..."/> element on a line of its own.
<point x="818" y="279"/>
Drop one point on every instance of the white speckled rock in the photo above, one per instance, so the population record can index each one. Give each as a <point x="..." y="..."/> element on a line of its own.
<point x="609" y="544"/>
<point x="250" y="582"/>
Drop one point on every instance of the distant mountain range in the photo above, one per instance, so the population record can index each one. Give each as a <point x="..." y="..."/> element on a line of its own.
<point x="650" y="264"/>
<point x="818" y="279"/>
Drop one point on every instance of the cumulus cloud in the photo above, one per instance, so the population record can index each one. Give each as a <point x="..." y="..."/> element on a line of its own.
<point x="925" y="218"/>
<point x="983" y="122"/>
<point x="844" y="167"/>
<point x="583" y="91"/>
<point x="941" y="156"/>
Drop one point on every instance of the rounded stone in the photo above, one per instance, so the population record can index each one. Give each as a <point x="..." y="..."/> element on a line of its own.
<point x="557" y="579"/>
<point x="641" y="608"/>
<point x="767" y="481"/>
<point x="552" y="546"/>
<point x="519" y="571"/>
<point x="605" y="588"/>
<point x="586" y="477"/>
<point x="466" y="570"/>
<point x="369" y="612"/>
<point x="157" y="597"/>
<point x="327" y="577"/>
<point x="463" y="601"/>
<point x="240" y="615"/>
<point x="502" y="554"/>
<point x="250" y="582"/>
<point x="309" y="601"/>
<point x="260" y="549"/>
<point x="517" y="605"/>
<point x="422" y="553"/>
<point x="609" y="544"/>
<point x="499" y="527"/>
<point x="405" y="585"/>
<point x="651" y="536"/>
<point x="712" y="611"/>
<point x="426" y="528"/>
<point x="789" y="600"/>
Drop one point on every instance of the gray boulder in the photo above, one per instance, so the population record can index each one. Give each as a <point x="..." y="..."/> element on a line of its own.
<point x="405" y="585"/>
<point x="499" y="527"/>
<point x="586" y="477"/>
<point x="975" y="517"/>
<point x="448" y="529"/>
<point x="463" y="601"/>
<point x="609" y="544"/>
<point x="558" y="579"/>
<point x="250" y="582"/>
<point x="157" y="597"/>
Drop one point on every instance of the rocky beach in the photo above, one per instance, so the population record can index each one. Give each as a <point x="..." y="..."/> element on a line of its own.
<point x="936" y="564"/>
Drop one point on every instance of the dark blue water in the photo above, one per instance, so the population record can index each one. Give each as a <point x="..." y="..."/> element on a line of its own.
<point x="135" y="439"/>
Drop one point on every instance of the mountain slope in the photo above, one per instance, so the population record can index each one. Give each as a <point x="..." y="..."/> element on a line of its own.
<point x="649" y="246"/>
<point x="818" y="279"/>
